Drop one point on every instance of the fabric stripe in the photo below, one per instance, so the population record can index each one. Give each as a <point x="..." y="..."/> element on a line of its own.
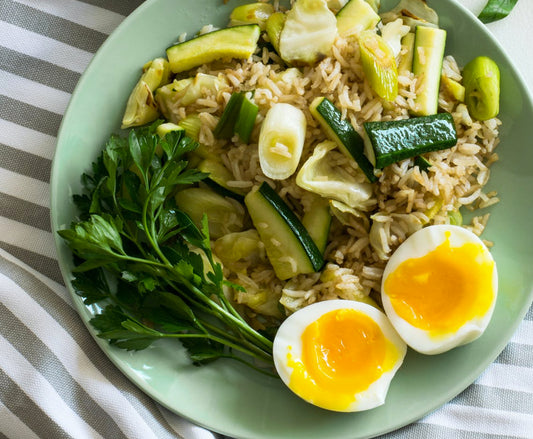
<point x="41" y="393"/>
<point x="35" y="351"/>
<point x="33" y="93"/>
<point x="49" y="267"/>
<point x="516" y="354"/>
<point x="86" y="15"/>
<point x="25" y="163"/>
<point x="524" y="333"/>
<point x="28" y="238"/>
<point x="18" y="402"/>
<point x="38" y="70"/>
<point x="496" y="422"/>
<point x="25" y="188"/>
<point x="12" y="426"/>
<point x="506" y="376"/>
<point x="54" y="303"/>
<point x="430" y="431"/>
<point x="29" y="116"/>
<point x="24" y="212"/>
<point x="493" y="398"/>
<point x="119" y="6"/>
<point x="44" y="48"/>
<point x="27" y="140"/>
<point x="51" y="26"/>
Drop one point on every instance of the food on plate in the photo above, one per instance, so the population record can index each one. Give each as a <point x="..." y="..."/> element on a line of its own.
<point x="439" y="288"/>
<point x="292" y="157"/>
<point x="339" y="355"/>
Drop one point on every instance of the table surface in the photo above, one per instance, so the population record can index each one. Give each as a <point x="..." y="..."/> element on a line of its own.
<point x="54" y="380"/>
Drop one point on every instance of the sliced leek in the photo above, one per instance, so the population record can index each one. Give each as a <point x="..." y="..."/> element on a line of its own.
<point x="355" y="17"/>
<point x="252" y="13"/>
<point x="141" y="107"/>
<point x="281" y="141"/>
<point x="481" y="78"/>
<point x="379" y="65"/>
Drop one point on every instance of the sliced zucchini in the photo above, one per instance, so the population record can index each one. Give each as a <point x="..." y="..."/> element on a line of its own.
<point x="355" y="17"/>
<point x="392" y="141"/>
<point x="308" y="33"/>
<point x="223" y="215"/>
<point x="289" y="248"/>
<point x="232" y="42"/>
<point x="218" y="179"/>
<point x="481" y="78"/>
<point x="407" y="51"/>
<point x="281" y="140"/>
<point x="317" y="221"/>
<point x="252" y="13"/>
<point x="342" y="132"/>
<point x="379" y="65"/>
<point x="428" y="54"/>
<point x="165" y="128"/>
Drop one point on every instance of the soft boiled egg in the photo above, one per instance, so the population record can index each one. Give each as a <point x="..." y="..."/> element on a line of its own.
<point x="340" y="355"/>
<point x="439" y="288"/>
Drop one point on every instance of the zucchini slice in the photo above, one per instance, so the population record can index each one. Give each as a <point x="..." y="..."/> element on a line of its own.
<point x="428" y="54"/>
<point x="317" y="221"/>
<point x="218" y="179"/>
<point x="231" y="42"/>
<point x="289" y="247"/>
<point x="341" y="132"/>
<point x="392" y="141"/>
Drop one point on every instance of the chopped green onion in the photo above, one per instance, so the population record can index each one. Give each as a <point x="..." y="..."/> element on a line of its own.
<point x="226" y="125"/>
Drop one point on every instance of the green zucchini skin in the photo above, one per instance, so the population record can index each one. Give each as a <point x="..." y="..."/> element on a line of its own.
<point x="393" y="141"/>
<point x="343" y="133"/>
<point x="267" y="207"/>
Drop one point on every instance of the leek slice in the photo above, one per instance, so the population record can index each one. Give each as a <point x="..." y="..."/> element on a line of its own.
<point x="281" y="141"/>
<point x="379" y="65"/>
<point x="481" y="79"/>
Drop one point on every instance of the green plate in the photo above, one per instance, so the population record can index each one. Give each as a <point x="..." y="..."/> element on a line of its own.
<point x="226" y="397"/>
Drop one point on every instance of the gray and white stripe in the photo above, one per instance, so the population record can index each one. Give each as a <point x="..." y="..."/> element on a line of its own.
<point x="70" y="389"/>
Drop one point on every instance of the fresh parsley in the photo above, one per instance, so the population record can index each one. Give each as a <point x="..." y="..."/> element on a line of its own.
<point x="145" y="261"/>
<point x="496" y="10"/>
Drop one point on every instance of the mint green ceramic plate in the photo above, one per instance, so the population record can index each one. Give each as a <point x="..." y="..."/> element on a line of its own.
<point x="229" y="398"/>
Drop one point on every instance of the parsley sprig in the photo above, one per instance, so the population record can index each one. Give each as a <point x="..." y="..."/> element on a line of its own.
<point x="146" y="261"/>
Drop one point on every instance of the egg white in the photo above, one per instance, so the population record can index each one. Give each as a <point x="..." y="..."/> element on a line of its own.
<point x="418" y="245"/>
<point x="288" y="339"/>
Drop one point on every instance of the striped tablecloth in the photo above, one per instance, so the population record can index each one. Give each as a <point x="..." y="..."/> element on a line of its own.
<point x="54" y="380"/>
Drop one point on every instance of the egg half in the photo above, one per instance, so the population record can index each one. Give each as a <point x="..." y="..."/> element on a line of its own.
<point x="340" y="355"/>
<point x="439" y="288"/>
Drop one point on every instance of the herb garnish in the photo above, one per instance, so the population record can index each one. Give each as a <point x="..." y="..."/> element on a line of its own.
<point x="496" y="10"/>
<point x="166" y="282"/>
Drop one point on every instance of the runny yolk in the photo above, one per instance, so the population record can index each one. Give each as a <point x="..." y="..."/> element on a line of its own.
<point x="442" y="290"/>
<point x="344" y="352"/>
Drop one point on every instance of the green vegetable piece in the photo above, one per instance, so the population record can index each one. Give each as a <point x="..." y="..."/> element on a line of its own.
<point x="232" y="42"/>
<point x="427" y="66"/>
<point x="218" y="179"/>
<point x="225" y="127"/>
<point x="422" y="163"/>
<point x="495" y="10"/>
<point x="379" y="65"/>
<point x="252" y="13"/>
<point x="141" y="107"/>
<point x="406" y="59"/>
<point x="375" y="4"/>
<point x="392" y="141"/>
<point x="308" y="33"/>
<point x="274" y="26"/>
<point x="481" y="79"/>
<point x="454" y="89"/>
<point x="455" y="218"/>
<point x="341" y="132"/>
<point x="223" y="216"/>
<point x="317" y="222"/>
<point x="289" y="248"/>
<point x="413" y="13"/>
<point x="245" y="122"/>
<point x="165" y="128"/>
<point x="355" y="17"/>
